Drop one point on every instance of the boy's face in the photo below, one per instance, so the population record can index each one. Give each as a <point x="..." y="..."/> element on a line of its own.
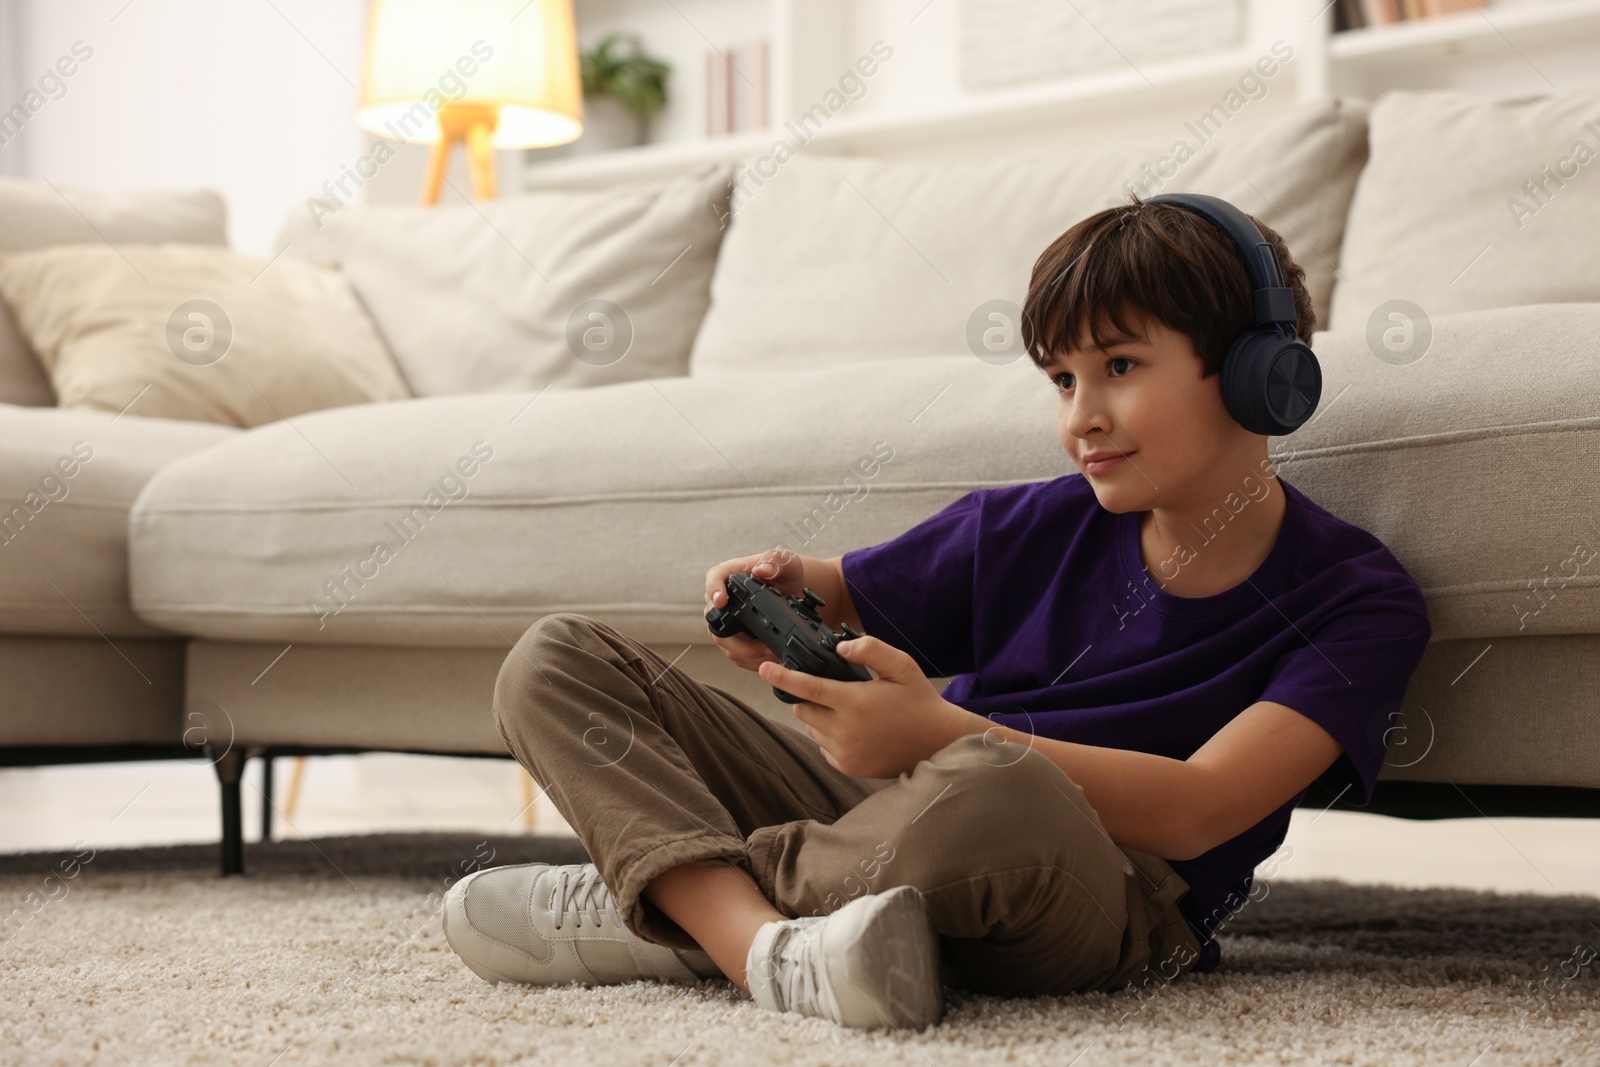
<point x="1145" y="404"/>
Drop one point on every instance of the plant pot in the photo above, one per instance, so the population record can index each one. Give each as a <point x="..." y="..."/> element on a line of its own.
<point x="608" y="125"/>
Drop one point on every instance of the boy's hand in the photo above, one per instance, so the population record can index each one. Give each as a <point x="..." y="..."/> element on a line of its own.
<point x="778" y="567"/>
<point x="876" y="729"/>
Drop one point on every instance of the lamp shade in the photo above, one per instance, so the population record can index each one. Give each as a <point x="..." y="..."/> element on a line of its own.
<point x="517" y="57"/>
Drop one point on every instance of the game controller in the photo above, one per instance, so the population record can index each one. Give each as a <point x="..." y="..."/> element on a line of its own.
<point x="788" y="625"/>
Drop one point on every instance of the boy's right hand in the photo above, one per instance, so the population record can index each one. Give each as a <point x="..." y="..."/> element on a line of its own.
<point x="780" y="568"/>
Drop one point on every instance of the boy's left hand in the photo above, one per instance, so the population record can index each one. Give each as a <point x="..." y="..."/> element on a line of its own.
<point x="876" y="729"/>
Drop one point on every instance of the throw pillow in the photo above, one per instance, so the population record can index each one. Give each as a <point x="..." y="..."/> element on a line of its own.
<point x="183" y="331"/>
<point x="37" y="214"/>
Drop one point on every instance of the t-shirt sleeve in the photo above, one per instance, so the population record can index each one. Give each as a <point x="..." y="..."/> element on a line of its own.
<point x="915" y="591"/>
<point x="1350" y="677"/>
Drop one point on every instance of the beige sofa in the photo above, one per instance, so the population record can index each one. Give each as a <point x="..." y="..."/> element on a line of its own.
<point x="837" y="315"/>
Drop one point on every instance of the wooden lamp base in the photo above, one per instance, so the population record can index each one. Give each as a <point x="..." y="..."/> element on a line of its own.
<point x="473" y="125"/>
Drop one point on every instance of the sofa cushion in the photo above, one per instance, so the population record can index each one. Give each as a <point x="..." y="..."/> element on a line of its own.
<point x="1473" y="459"/>
<point x="67" y="479"/>
<point x="835" y="260"/>
<point x="1472" y="201"/>
<point x="182" y="331"/>
<point x="33" y="215"/>
<point x="614" y="501"/>
<point x="565" y="287"/>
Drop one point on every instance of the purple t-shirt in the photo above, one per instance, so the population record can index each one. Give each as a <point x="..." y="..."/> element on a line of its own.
<point x="1034" y="601"/>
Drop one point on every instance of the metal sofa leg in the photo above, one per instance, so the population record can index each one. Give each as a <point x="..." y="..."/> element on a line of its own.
<point x="266" y="798"/>
<point x="230" y="768"/>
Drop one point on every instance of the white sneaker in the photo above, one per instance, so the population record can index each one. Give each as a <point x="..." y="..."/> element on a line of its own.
<point x="548" y="925"/>
<point x="873" y="963"/>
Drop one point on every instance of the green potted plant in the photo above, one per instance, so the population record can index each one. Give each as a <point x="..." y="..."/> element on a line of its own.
<point x="623" y="89"/>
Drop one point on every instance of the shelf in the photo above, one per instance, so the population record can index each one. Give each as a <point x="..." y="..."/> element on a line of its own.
<point x="1120" y="88"/>
<point x="1466" y="50"/>
<point x="846" y="133"/>
<point x="643" y="162"/>
<point x="1554" y="21"/>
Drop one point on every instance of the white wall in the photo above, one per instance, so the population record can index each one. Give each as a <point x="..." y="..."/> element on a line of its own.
<point x="231" y="95"/>
<point x="252" y="98"/>
<point x="256" y="98"/>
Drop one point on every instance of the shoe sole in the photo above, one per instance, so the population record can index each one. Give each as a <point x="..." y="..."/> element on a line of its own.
<point x="890" y="964"/>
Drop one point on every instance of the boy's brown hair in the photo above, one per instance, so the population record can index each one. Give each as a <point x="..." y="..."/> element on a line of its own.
<point x="1161" y="260"/>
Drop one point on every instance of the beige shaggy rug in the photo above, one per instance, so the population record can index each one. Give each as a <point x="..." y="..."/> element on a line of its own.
<point x="330" y="950"/>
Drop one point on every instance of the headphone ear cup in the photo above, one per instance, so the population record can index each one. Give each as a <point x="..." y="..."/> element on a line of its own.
<point x="1270" y="383"/>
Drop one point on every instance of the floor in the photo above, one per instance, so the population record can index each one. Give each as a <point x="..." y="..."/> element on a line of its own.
<point x="119" y="805"/>
<point x="332" y="951"/>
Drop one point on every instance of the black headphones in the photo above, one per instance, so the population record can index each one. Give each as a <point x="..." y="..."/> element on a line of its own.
<point x="1271" y="380"/>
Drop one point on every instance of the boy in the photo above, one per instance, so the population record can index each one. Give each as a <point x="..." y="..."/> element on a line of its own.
<point x="1151" y="659"/>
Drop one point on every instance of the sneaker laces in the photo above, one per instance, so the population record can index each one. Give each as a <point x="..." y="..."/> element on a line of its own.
<point x="796" y="968"/>
<point x="586" y="893"/>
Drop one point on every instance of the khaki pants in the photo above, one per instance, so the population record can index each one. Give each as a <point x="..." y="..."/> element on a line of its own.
<point x="654" y="769"/>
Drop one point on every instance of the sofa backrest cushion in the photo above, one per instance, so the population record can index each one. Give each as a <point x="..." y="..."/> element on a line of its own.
<point x="566" y="288"/>
<point x="835" y="260"/>
<point x="1472" y="201"/>
<point x="35" y="214"/>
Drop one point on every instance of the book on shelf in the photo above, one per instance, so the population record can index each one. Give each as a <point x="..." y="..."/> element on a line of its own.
<point x="737" y="88"/>
<point x="1360" y="14"/>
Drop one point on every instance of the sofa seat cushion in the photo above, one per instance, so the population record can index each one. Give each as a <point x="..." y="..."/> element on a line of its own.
<point x="462" y="520"/>
<point x="67" y="479"/>
<point x="496" y="509"/>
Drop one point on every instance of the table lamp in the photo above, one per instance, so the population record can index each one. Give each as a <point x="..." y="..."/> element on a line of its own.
<point x="488" y="73"/>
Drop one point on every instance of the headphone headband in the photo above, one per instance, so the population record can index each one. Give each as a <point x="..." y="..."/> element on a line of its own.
<point x="1273" y="300"/>
<point x="1271" y="380"/>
